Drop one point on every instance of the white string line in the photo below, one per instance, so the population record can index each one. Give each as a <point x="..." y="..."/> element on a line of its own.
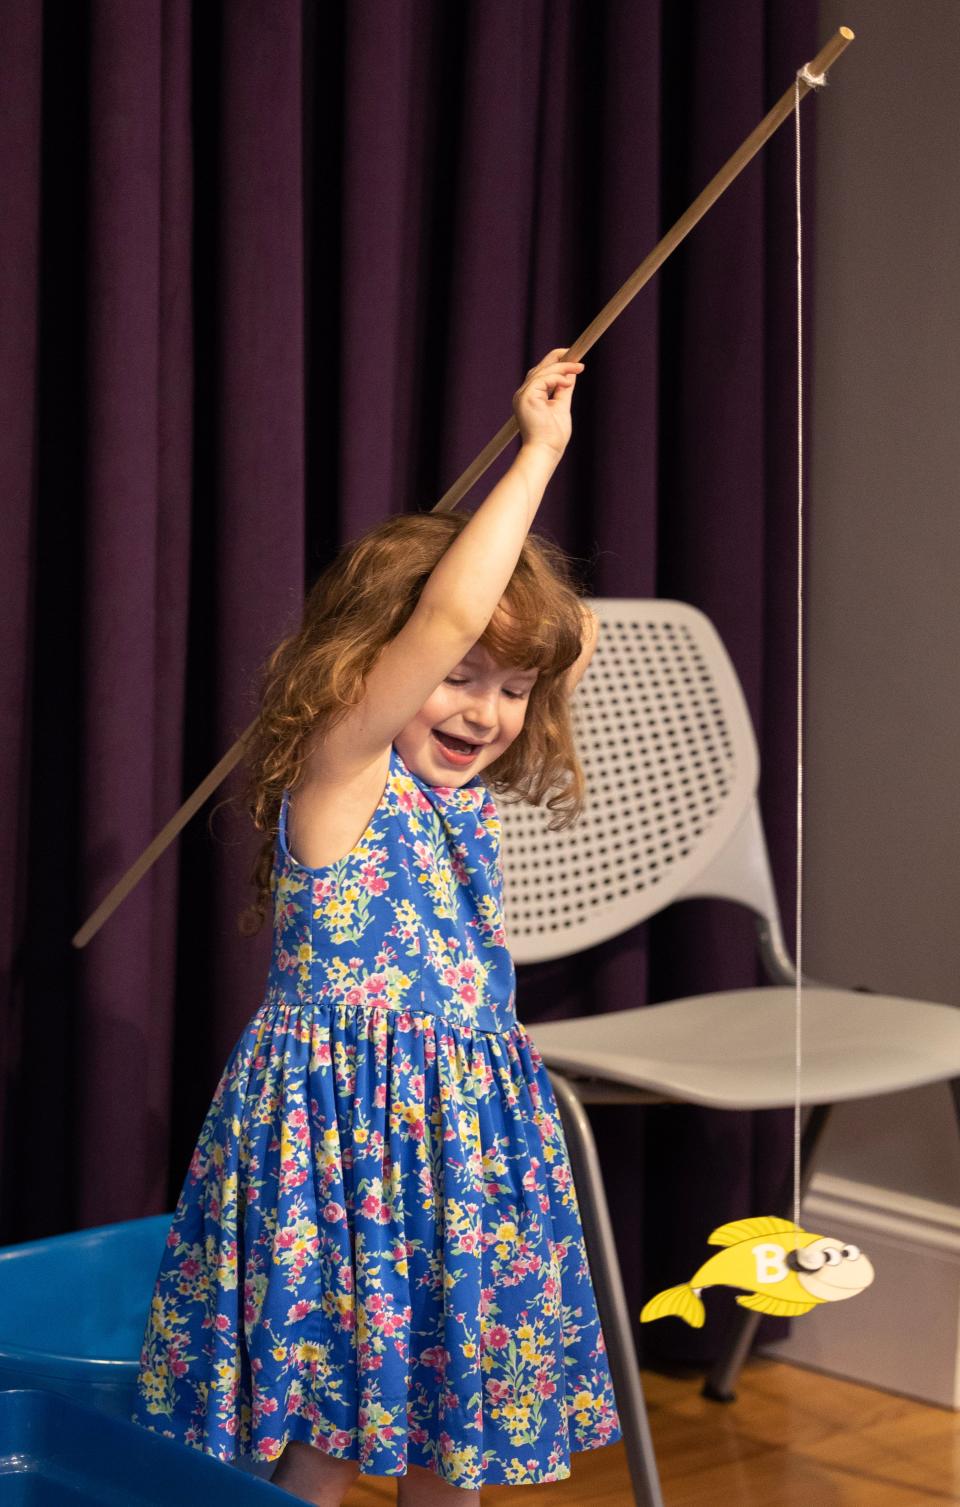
<point x="798" y="1013"/>
<point x="814" y="81"/>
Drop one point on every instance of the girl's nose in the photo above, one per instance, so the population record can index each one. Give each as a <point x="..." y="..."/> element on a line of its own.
<point x="482" y="711"/>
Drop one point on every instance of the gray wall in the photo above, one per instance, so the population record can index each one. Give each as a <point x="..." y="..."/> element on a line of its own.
<point x="883" y="731"/>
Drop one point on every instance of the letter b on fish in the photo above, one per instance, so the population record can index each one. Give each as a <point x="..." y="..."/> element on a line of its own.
<point x="771" y="1263"/>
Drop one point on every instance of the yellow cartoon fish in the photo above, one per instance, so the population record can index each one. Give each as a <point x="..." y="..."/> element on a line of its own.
<point x="787" y="1271"/>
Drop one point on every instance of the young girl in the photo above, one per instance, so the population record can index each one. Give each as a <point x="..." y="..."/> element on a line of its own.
<point x="376" y="1262"/>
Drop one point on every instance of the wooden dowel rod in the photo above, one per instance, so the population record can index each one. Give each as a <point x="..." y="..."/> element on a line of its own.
<point x="651" y="264"/>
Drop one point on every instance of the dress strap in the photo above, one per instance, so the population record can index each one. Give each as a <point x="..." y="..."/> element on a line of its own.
<point x="282" y="824"/>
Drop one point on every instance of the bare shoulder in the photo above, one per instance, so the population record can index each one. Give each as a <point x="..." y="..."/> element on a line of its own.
<point x="328" y="812"/>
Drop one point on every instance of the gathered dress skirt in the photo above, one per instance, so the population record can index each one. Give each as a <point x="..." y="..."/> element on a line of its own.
<point x="377" y="1251"/>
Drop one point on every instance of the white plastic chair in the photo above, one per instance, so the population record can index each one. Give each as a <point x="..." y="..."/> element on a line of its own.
<point x="668" y="750"/>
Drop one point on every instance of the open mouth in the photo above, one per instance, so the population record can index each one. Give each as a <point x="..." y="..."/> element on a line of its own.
<point x="457" y="750"/>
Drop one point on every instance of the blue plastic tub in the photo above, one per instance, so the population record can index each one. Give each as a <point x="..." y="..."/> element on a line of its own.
<point x="55" y="1453"/>
<point x="73" y="1310"/>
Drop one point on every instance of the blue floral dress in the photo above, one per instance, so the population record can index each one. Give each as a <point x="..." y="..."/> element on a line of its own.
<point x="377" y="1248"/>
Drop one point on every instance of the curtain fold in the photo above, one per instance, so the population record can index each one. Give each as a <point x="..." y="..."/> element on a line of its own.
<point x="127" y="767"/>
<point x="21" y="67"/>
<point x="274" y="273"/>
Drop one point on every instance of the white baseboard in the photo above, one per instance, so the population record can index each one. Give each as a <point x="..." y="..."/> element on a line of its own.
<point x="903" y="1333"/>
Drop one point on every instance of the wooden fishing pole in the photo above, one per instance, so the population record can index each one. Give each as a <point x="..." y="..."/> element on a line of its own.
<point x="814" y="71"/>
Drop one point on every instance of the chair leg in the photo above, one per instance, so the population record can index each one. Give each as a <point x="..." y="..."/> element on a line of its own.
<point x="720" y="1385"/>
<point x="955" y="1091"/>
<point x="611" y="1299"/>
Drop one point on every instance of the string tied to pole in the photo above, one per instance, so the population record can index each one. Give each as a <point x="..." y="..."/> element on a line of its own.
<point x="813" y="80"/>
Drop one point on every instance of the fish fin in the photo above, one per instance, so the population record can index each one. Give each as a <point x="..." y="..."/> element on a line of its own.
<point x="745" y="1229"/>
<point x="781" y="1308"/>
<point x="681" y="1301"/>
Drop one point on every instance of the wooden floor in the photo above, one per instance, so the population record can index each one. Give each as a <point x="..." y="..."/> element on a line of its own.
<point x="793" y="1438"/>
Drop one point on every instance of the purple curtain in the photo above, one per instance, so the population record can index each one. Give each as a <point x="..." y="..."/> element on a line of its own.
<point x="270" y="273"/>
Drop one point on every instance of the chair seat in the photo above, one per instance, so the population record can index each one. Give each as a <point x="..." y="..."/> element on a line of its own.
<point x="735" y="1049"/>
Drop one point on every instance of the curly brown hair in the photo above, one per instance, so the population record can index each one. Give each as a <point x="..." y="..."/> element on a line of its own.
<point x="357" y="605"/>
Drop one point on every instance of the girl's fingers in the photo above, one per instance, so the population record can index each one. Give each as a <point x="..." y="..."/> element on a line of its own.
<point x="550" y="391"/>
<point x="551" y="383"/>
<point x="564" y="376"/>
<point x="555" y="369"/>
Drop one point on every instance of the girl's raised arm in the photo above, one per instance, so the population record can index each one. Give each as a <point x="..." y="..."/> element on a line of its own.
<point x="462" y="593"/>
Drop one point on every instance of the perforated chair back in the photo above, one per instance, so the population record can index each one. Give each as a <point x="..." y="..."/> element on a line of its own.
<point x="671" y="765"/>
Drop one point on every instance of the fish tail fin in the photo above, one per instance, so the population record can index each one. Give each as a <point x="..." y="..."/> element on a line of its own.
<point x="681" y="1301"/>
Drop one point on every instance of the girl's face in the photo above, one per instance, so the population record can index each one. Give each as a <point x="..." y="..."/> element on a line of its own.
<point x="469" y="721"/>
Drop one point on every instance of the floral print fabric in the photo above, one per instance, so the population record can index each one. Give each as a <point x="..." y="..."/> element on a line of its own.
<point x="377" y="1248"/>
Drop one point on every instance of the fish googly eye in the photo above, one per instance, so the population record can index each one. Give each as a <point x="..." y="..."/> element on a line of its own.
<point x="851" y="1253"/>
<point x="808" y="1260"/>
<point x="833" y="1257"/>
